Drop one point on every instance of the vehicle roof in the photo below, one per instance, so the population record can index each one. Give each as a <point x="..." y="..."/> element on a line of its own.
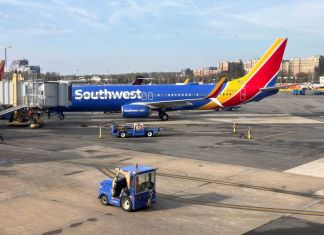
<point x="139" y="169"/>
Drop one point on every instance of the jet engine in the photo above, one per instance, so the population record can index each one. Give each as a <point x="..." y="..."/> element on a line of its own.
<point x="135" y="111"/>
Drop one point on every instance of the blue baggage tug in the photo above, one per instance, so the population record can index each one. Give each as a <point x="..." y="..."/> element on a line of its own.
<point x="134" y="129"/>
<point x="132" y="188"/>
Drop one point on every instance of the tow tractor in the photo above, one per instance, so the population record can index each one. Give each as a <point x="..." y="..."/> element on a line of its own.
<point x="134" y="129"/>
<point x="132" y="188"/>
<point x="24" y="118"/>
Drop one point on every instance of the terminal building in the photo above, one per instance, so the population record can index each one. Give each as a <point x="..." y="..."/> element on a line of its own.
<point x="22" y="65"/>
<point x="187" y="72"/>
<point x="309" y="68"/>
<point x="305" y="69"/>
<point x="206" y="72"/>
<point x="231" y="69"/>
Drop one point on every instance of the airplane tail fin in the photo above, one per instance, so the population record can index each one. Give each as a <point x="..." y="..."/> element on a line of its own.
<point x="263" y="75"/>
<point x="217" y="89"/>
<point x="186" y="81"/>
<point x="2" y="66"/>
<point x="265" y="72"/>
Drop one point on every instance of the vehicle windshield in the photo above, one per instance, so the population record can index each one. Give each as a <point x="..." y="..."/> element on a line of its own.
<point x="145" y="182"/>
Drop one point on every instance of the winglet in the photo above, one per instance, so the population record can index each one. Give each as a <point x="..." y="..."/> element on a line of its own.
<point x="217" y="89"/>
<point x="2" y="65"/>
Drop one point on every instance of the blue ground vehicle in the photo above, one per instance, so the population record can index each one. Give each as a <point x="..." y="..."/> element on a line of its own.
<point x="134" y="129"/>
<point x="298" y="92"/>
<point x="132" y="188"/>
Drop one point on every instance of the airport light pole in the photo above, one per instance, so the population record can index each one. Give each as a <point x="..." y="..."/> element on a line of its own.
<point x="108" y="76"/>
<point x="5" y="51"/>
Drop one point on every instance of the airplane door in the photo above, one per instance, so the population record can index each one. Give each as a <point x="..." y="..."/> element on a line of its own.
<point x="243" y="94"/>
<point x="150" y="95"/>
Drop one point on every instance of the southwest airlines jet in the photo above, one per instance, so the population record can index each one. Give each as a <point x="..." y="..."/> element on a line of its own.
<point x="139" y="101"/>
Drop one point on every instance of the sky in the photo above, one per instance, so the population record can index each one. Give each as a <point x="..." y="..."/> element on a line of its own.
<point x="122" y="36"/>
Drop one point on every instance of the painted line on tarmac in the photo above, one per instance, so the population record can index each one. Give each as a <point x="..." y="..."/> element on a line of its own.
<point x="238" y="115"/>
<point x="106" y="172"/>
<point x="278" y="134"/>
<point x="240" y="207"/>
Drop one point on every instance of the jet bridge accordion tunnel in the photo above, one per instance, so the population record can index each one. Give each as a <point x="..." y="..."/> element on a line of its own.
<point x="17" y="94"/>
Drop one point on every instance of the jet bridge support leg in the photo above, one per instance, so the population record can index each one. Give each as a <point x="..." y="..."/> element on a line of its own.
<point x="62" y="116"/>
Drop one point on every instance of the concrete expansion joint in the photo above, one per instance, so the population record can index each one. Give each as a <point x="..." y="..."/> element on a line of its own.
<point x="240" y="174"/>
<point x="19" y="195"/>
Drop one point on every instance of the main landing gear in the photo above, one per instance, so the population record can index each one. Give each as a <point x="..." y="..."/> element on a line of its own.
<point x="163" y="116"/>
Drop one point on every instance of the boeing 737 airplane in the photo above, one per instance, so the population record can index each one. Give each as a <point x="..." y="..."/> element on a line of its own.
<point x="140" y="101"/>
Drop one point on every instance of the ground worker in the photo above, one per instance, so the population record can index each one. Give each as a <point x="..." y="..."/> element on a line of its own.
<point x="30" y="114"/>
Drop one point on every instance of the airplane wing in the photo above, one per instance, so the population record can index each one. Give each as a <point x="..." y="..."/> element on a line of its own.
<point x="178" y="103"/>
<point x="168" y="103"/>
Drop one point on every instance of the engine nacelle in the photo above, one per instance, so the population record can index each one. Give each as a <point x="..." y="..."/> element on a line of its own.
<point x="135" y="111"/>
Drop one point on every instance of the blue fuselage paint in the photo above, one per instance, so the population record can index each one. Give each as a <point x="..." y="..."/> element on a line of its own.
<point x="113" y="97"/>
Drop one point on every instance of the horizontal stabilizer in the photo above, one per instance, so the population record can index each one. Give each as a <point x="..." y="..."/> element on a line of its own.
<point x="275" y="88"/>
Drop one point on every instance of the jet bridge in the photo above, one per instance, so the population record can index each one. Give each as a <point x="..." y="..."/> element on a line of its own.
<point x="19" y="94"/>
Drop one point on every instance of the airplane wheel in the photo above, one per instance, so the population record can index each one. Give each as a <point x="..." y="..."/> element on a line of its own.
<point x="126" y="204"/>
<point x="149" y="134"/>
<point x="164" y="117"/>
<point x="62" y="116"/>
<point x="122" y="134"/>
<point x="104" y="200"/>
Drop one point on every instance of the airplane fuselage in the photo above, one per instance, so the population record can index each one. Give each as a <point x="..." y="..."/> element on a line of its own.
<point x="113" y="97"/>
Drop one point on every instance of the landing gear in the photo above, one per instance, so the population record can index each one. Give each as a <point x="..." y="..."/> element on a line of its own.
<point x="163" y="116"/>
